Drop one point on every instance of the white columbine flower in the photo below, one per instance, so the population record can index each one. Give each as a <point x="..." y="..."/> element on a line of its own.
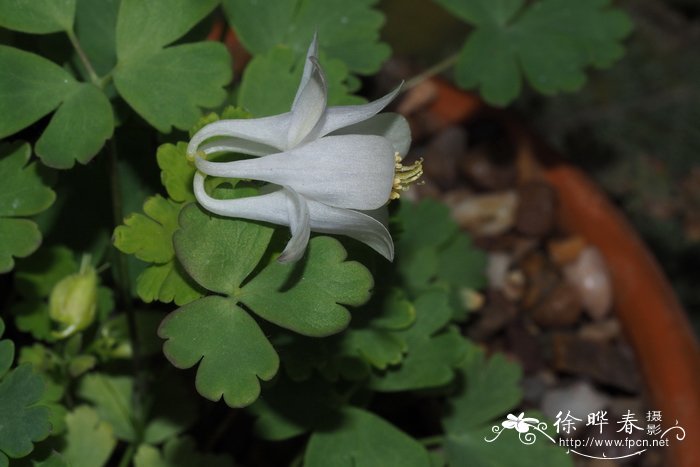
<point x="334" y="168"/>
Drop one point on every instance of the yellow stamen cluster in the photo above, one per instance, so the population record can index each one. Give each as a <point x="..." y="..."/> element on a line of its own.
<point x="405" y="176"/>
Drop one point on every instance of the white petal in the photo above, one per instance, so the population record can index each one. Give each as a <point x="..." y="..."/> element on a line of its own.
<point x="308" y="106"/>
<point x="308" y="67"/>
<point x="346" y="115"/>
<point x="299" y="224"/>
<point x="392" y="126"/>
<point x="354" y="224"/>
<point x="237" y="145"/>
<point x="270" y="131"/>
<point x="349" y="171"/>
<point x="273" y="208"/>
<point x="266" y="208"/>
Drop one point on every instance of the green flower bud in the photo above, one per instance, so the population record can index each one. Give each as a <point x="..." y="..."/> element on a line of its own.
<point x="73" y="300"/>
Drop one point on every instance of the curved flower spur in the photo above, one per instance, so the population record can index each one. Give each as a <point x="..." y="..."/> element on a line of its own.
<point x="335" y="167"/>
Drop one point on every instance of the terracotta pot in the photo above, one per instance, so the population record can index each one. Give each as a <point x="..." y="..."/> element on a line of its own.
<point x="651" y="316"/>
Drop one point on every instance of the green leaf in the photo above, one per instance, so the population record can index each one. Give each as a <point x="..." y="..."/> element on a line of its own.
<point x="377" y="347"/>
<point x="433" y="351"/>
<point x="89" y="441"/>
<point x="30" y="87"/>
<point x="270" y="82"/>
<point x="149" y="238"/>
<point x="180" y="452"/>
<point x="78" y="129"/>
<point x="20" y="391"/>
<point x="307" y="297"/>
<point x="550" y="42"/>
<point x="469" y="449"/>
<point x="490" y="390"/>
<point x="460" y="264"/>
<point x="232" y="351"/>
<point x="167" y="283"/>
<point x="37" y="16"/>
<point x="112" y="397"/>
<point x="362" y="438"/>
<point x="54" y="459"/>
<point x="23" y="193"/>
<point x="143" y="28"/>
<point x="176" y="172"/>
<point x="369" y="340"/>
<point x="425" y="227"/>
<point x="219" y="253"/>
<point x="33" y="317"/>
<point x="288" y="409"/>
<point x="346" y="31"/>
<point x="51" y="399"/>
<point x="36" y="276"/>
<point x="168" y="87"/>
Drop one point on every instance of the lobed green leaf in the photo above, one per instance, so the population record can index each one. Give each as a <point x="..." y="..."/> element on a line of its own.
<point x="167" y="87"/>
<point x="20" y="392"/>
<point x="30" y="87"/>
<point x="362" y="438"/>
<point x="23" y="193"/>
<point x="219" y="253"/>
<point x="37" y="16"/>
<point x="232" y="352"/>
<point x="89" y="441"/>
<point x="307" y="297"/>
<point x="143" y="28"/>
<point x="434" y="351"/>
<point x="178" y="452"/>
<point x="347" y="31"/>
<point x="549" y="42"/>
<point x="78" y="130"/>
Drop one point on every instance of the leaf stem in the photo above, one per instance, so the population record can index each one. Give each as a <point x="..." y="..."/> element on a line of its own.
<point x="123" y="282"/>
<point x="436" y="69"/>
<point x="96" y="80"/>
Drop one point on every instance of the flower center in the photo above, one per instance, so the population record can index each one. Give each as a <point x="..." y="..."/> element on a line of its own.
<point x="405" y="176"/>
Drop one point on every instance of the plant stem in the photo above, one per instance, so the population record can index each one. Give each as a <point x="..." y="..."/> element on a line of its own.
<point x="432" y="440"/>
<point x="436" y="69"/>
<point x="128" y="455"/>
<point x="84" y="59"/>
<point x="123" y="282"/>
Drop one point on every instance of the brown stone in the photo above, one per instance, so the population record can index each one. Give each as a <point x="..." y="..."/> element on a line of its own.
<point x="565" y="250"/>
<point x="603" y="331"/>
<point x="488" y="214"/>
<point x="540" y="276"/>
<point x="604" y="363"/>
<point x="493" y="317"/>
<point x="536" y="209"/>
<point x="560" y="307"/>
<point x="484" y="168"/>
